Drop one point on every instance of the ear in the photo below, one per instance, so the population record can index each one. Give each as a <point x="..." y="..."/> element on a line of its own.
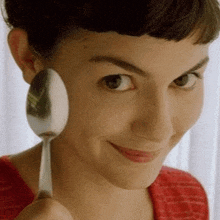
<point x="27" y="61"/>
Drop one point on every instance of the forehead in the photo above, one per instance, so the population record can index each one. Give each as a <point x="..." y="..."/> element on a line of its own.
<point x="143" y="51"/>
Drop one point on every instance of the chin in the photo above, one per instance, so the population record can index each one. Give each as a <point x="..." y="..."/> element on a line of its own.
<point x="134" y="180"/>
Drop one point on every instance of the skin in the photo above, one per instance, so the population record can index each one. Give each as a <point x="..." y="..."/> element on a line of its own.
<point x="90" y="178"/>
<point x="45" y="209"/>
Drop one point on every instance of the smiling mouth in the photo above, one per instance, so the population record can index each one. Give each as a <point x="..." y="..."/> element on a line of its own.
<point x="136" y="155"/>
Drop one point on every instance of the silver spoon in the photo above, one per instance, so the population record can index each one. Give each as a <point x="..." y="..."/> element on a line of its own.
<point x="47" y="109"/>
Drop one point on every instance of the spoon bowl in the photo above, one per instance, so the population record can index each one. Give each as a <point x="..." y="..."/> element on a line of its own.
<point x="47" y="110"/>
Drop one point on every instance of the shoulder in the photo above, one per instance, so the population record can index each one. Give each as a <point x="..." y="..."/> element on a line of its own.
<point x="7" y="196"/>
<point x="5" y="171"/>
<point x="182" y="183"/>
<point x="178" y="177"/>
<point x="180" y="193"/>
<point x="14" y="195"/>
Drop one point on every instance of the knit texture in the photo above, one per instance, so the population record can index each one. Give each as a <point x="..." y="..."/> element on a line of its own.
<point x="176" y="195"/>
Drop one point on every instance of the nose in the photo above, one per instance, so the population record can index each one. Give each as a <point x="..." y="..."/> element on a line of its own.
<point x="154" y="119"/>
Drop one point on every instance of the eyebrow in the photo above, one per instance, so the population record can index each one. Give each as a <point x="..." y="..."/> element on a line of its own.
<point x="132" y="68"/>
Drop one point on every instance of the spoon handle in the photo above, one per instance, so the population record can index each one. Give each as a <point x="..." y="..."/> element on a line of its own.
<point x="45" y="180"/>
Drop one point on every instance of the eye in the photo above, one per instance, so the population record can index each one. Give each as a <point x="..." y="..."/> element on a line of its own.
<point x="118" y="82"/>
<point x="188" y="81"/>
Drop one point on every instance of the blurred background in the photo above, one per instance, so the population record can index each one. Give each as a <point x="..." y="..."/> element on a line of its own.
<point x="198" y="152"/>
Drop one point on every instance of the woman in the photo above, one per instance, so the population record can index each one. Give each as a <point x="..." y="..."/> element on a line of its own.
<point x="134" y="76"/>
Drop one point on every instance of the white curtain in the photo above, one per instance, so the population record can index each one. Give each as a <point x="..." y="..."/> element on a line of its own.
<point x="198" y="152"/>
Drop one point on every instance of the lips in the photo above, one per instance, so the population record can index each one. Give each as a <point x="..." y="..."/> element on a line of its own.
<point x="136" y="155"/>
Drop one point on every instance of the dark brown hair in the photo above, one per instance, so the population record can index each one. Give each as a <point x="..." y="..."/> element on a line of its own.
<point x="49" y="21"/>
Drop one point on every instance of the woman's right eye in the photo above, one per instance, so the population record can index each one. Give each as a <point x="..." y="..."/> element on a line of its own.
<point x="117" y="82"/>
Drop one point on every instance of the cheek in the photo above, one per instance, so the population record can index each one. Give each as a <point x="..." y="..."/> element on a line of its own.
<point x="91" y="124"/>
<point x="189" y="111"/>
<point x="93" y="116"/>
<point x="102" y="120"/>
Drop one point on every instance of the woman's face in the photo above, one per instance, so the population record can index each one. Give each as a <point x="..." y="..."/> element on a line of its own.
<point x="128" y="91"/>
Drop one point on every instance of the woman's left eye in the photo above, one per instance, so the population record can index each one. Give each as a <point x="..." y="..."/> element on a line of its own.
<point x="188" y="81"/>
<point x="118" y="82"/>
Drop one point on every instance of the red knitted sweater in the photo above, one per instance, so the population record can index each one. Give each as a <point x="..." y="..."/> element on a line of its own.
<point x="176" y="195"/>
